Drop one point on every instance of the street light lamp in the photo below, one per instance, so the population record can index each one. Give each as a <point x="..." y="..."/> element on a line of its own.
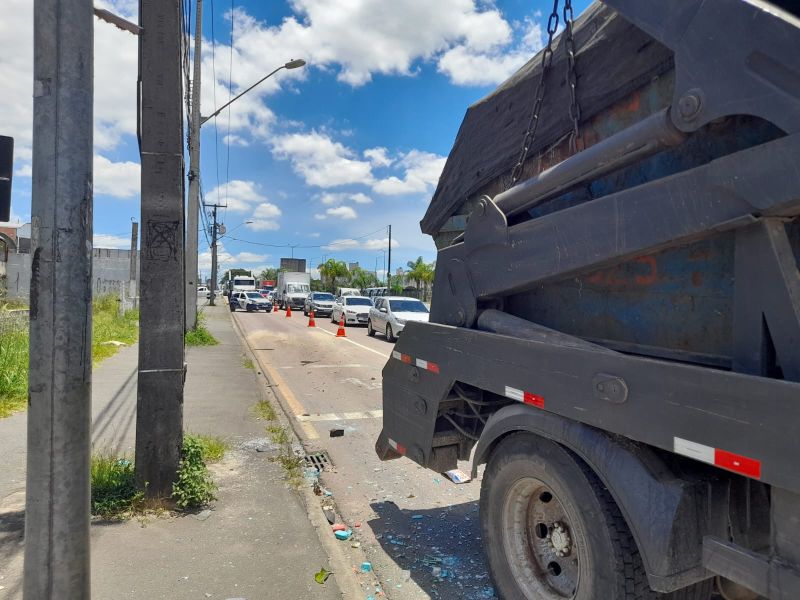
<point x="295" y="63"/>
<point x="224" y="233"/>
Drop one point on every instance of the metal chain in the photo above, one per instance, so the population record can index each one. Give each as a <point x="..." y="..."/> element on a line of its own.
<point x="533" y="123"/>
<point x="571" y="77"/>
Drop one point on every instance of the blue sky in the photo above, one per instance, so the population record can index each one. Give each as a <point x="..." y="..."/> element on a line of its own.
<point x="322" y="158"/>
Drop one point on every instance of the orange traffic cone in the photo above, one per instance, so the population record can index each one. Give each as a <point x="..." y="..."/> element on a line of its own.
<point x="311" y="322"/>
<point x="275" y="307"/>
<point x="288" y="310"/>
<point x="340" y="332"/>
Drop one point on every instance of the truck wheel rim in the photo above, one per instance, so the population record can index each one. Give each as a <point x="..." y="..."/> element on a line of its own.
<point x="539" y="542"/>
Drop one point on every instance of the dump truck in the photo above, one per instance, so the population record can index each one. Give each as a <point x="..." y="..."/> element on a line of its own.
<point x="614" y="335"/>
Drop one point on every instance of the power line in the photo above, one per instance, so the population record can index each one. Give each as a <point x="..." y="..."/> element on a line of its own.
<point x="228" y="136"/>
<point x="214" y="88"/>
<point x="334" y="243"/>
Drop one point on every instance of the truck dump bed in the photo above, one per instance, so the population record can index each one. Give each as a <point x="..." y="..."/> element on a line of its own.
<point x="635" y="296"/>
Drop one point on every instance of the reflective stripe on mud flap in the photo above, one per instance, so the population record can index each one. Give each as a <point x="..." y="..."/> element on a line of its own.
<point x="399" y="448"/>
<point x="524" y="397"/>
<point x="719" y="458"/>
<point x="422" y="364"/>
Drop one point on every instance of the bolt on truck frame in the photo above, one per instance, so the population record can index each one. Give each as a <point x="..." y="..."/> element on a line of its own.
<point x="617" y="336"/>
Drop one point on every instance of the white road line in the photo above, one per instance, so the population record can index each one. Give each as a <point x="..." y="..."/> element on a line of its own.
<point x="346" y="339"/>
<point x="313" y="366"/>
<point x="348" y="416"/>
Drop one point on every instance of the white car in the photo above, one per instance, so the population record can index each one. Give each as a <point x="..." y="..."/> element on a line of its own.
<point x="249" y="301"/>
<point x="202" y="290"/>
<point x="391" y="313"/>
<point x="354" y="308"/>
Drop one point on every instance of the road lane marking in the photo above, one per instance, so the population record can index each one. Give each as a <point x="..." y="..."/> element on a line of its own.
<point x="291" y="400"/>
<point x="350" y="366"/>
<point x="355" y="343"/>
<point x="348" y="416"/>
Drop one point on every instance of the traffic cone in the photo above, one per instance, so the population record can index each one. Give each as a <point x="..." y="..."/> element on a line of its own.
<point x="288" y="310"/>
<point x="311" y="322"/>
<point x="340" y="332"/>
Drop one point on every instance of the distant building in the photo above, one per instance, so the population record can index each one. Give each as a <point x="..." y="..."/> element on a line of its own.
<point x="293" y="265"/>
<point x="352" y="266"/>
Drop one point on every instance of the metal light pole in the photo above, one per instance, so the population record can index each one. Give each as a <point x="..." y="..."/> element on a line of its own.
<point x="194" y="176"/>
<point x="60" y="379"/>
<point x="194" y="179"/>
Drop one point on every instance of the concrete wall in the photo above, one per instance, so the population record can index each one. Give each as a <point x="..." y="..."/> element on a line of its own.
<point x="110" y="272"/>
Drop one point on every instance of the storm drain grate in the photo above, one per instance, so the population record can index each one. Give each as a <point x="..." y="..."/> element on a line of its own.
<point x="319" y="461"/>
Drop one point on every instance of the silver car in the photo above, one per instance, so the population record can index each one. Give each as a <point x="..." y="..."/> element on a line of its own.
<point x="320" y="302"/>
<point x="391" y="313"/>
<point x="355" y="310"/>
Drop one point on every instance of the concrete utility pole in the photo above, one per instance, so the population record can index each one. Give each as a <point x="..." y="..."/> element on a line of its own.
<point x="194" y="179"/>
<point x="389" y="268"/>
<point x="214" y="236"/>
<point x="60" y="379"/>
<point x="159" y="412"/>
<point x="134" y="248"/>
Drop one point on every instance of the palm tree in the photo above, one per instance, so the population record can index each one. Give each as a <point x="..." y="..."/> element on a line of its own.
<point x="331" y="270"/>
<point x="419" y="272"/>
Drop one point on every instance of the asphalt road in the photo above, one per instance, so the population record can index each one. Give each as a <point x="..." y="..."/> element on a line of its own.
<point x="408" y="515"/>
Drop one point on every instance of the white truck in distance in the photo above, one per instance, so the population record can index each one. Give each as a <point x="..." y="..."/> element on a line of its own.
<point x="292" y="289"/>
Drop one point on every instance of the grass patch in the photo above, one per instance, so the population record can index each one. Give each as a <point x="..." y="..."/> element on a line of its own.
<point x="200" y="336"/>
<point x="13" y="372"/>
<point x="265" y="411"/>
<point x="248" y="364"/>
<point x="213" y="447"/>
<point x="278" y="435"/>
<point x="12" y="304"/>
<point x="114" y="494"/>
<point x="108" y="325"/>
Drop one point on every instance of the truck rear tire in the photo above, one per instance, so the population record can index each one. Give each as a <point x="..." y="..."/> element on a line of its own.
<point x="551" y="529"/>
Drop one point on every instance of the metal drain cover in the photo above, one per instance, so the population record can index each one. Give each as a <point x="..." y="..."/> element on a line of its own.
<point x="319" y="461"/>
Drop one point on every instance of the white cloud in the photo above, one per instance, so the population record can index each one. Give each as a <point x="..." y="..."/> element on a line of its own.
<point x="422" y="171"/>
<point x="468" y="65"/>
<point x="378" y="157"/>
<point x="266" y="210"/>
<point x="342" y="212"/>
<point x="263" y="225"/>
<point x="332" y="199"/>
<point x="107" y="240"/>
<point x="320" y="217"/>
<point x="314" y="235"/>
<point x="226" y="260"/>
<point x="238" y="194"/>
<point x="117" y="179"/>
<point x="364" y="37"/>
<point x="351" y="244"/>
<point x="320" y="161"/>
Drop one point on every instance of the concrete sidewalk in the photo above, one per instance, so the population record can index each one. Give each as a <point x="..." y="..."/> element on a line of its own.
<point x="256" y="542"/>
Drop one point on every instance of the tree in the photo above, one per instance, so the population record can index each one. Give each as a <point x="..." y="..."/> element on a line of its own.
<point x="270" y="273"/>
<point x="420" y="273"/>
<point x="361" y="279"/>
<point x="233" y="273"/>
<point x="330" y="271"/>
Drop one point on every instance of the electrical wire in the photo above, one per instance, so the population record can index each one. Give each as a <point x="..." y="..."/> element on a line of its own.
<point x="214" y="91"/>
<point x="334" y="243"/>
<point x="228" y="136"/>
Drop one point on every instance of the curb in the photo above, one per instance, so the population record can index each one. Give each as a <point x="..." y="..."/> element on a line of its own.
<point x="339" y="564"/>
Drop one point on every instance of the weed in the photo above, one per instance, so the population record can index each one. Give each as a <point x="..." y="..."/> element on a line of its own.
<point x="13" y="372"/>
<point x="213" y="447"/>
<point x="265" y="411"/>
<point x="194" y="487"/>
<point x="200" y="336"/>
<point x="278" y="435"/>
<point x="108" y="324"/>
<point x="248" y="364"/>
<point x="114" y="494"/>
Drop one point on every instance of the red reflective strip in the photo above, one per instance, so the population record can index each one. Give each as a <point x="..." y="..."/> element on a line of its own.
<point x="433" y="367"/>
<point x="405" y="358"/>
<point x="400" y="449"/>
<point x="533" y="400"/>
<point x="737" y="463"/>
